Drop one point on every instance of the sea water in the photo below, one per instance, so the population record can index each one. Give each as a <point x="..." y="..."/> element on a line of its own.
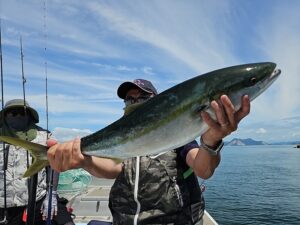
<point x="255" y="185"/>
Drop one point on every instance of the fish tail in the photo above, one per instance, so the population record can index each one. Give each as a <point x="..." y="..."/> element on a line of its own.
<point x="37" y="151"/>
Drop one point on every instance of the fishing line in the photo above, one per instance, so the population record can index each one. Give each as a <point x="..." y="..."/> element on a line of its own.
<point x="5" y="151"/>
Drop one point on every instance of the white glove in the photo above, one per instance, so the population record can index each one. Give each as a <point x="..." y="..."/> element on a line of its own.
<point x="44" y="208"/>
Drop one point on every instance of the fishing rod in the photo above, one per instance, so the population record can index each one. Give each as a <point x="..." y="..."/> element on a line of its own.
<point x="51" y="172"/>
<point x="46" y="68"/>
<point x="5" y="150"/>
<point x="23" y="85"/>
<point x="32" y="182"/>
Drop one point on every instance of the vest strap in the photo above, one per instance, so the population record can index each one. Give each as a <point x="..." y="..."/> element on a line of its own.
<point x="187" y="173"/>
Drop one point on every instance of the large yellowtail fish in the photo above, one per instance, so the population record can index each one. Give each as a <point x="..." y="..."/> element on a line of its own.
<point x="168" y="120"/>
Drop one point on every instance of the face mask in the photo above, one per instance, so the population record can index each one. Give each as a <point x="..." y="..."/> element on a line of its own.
<point x="18" y="122"/>
<point x="130" y="108"/>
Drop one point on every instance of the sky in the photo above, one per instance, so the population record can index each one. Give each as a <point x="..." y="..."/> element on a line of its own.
<point x="88" y="48"/>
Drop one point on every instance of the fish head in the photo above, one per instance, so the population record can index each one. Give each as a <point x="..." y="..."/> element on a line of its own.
<point x="237" y="81"/>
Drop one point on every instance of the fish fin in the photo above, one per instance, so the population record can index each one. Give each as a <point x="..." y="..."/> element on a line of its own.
<point x="38" y="152"/>
<point x="35" y="167"/>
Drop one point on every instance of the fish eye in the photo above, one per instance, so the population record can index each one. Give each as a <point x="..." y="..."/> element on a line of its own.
<point x="253" y="81"/>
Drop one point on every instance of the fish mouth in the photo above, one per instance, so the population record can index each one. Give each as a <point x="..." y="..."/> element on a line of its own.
<point x="270" y="80"/>
<point x="275" y="74"/>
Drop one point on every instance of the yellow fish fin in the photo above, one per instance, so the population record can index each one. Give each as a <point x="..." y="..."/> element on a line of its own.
<point x="38" y="152"/>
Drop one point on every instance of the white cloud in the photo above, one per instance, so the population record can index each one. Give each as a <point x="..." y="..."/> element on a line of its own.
<point x="65" y="134"/>
<point x="296" y="135"/>
<point x="197" y="48"/>
<point x="280" y="41"/>
<point x="148" y="70"/>
<point x="261" y="131"/>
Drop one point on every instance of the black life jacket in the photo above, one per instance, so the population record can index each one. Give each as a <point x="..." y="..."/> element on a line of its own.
<point x="160" y="194"/>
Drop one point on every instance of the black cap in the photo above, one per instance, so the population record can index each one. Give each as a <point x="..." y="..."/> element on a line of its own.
<point x="142" y="84"/>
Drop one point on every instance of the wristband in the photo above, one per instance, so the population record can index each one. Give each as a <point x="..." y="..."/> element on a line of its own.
<point x="212" y="151"/>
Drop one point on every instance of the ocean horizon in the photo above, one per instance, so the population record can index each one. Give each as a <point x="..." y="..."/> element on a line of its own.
<point x="255" y="185"/>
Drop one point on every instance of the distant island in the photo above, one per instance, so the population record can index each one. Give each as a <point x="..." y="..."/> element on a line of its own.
<point x="250" y="141"/>
<point x="244" y="142"/>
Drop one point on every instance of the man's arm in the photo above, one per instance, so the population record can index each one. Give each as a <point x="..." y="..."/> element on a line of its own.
<point x="67" y="156"/>
<point x="203" y="163"/>
<point x="102" y="167"/>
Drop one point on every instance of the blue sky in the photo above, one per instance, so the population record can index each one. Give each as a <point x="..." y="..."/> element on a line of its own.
<point x="93" y="46"/>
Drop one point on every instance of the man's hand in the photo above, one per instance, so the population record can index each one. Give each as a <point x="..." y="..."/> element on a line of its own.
<point x="65" y="156"/>
<point x="227" y="119"/>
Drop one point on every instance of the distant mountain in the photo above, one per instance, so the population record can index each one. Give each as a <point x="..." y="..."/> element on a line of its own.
<point x="243" y="142"/>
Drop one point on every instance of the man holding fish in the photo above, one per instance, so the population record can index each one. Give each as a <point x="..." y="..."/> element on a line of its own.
<point x="151" y="151"/>
<point x="157" y="189"/>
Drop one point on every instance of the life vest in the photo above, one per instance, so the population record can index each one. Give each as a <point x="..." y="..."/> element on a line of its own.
<point x="152" y="190"/>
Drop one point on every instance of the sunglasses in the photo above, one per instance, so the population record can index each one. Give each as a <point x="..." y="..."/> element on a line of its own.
<point x="129" y="100"/>
<point x="15" y="112"/>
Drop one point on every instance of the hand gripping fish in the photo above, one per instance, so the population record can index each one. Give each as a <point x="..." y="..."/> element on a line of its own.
<point x="168" y="120"/>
